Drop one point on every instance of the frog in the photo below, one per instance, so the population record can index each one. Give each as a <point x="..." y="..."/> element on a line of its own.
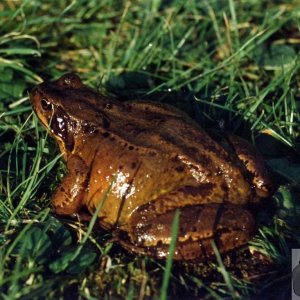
<point x="137" y="164"/>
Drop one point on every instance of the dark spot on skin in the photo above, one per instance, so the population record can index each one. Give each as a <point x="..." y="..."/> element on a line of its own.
<point x="130" y="147"/>
<point x="205" y="161"/>
<point x="120" y="167"/>
<point x="179" y="169"/>
<point x="133" y="165"/>
<point x="159" y="244"/>
<point x="105" y="134"/>
<point x="112" y="138"/>
<point x="68" y="194"/>
<point x="87" y="128"/>
<point x="201" y="190"/>
<point x="192" y="150"/>
<point x="105" y="123"/>
<point x="224" y="187"/>
<point x="175" y="158"/>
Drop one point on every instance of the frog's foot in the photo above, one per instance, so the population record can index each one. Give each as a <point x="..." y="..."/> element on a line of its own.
<point x="68" y="197"/>
<point x="229" y="226"/>
<point x="255" y="165"/>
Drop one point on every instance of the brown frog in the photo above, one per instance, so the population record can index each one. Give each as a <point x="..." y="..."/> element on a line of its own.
<point x="154" y="160"/>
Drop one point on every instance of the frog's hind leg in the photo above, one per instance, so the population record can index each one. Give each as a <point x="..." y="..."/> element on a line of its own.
<point x="229" y="225"/>
<point x="68" y="197"/>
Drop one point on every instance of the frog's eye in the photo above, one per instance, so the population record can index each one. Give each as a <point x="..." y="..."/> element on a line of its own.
<point x="46" y="105"/>
<point x="67" y="80"/>
<point x="70" y="80"/>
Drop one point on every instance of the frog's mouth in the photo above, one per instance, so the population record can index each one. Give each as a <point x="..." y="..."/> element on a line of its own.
<point x="59" y="127"/>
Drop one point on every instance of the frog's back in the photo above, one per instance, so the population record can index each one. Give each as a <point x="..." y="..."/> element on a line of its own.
<point x="154" y="150"/>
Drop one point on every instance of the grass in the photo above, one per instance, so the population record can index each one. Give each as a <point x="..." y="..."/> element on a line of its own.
<point x="226" y="63"/>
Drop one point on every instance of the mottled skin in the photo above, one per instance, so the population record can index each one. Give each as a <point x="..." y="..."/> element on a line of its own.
<point x="156" y="160"/>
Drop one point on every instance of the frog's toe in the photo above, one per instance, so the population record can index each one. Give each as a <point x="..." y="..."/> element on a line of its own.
<point x="257" y="169"/>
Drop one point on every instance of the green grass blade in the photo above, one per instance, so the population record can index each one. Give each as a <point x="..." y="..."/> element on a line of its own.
<point x="172" y="248"/>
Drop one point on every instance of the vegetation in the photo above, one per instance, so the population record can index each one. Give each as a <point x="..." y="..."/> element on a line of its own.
<point x="233" y="64"/>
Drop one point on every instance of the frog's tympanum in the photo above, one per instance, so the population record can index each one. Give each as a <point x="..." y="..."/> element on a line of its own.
<point x="154" y="160"/>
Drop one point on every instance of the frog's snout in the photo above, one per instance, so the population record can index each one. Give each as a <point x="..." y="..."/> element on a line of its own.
<point x="34" y="94"/>
<point x="34" y="91"/>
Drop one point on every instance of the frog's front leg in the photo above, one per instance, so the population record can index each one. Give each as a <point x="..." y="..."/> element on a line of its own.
<point x="229" y="225"/>
<point x="68" y="197"/>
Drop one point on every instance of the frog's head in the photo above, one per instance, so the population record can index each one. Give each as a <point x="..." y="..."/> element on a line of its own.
<point x="67" y="108"/>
